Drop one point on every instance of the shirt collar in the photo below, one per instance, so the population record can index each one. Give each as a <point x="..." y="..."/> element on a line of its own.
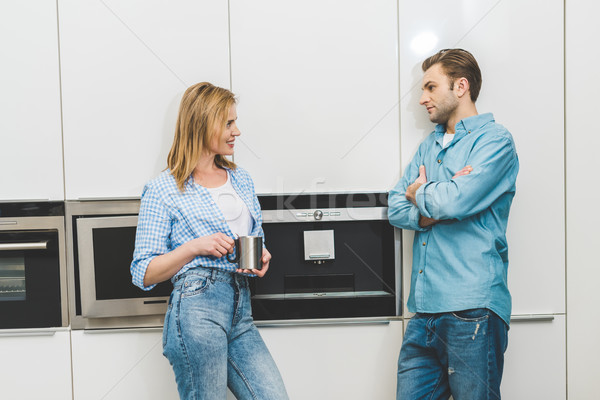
<point x="464" y="126"/>
<point x="190" y="180"/>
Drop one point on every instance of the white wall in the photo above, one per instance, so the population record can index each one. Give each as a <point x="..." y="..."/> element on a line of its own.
<point x="583" y="197"/>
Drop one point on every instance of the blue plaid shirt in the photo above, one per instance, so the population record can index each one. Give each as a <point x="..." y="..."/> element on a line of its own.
<point x="169" y="218"/>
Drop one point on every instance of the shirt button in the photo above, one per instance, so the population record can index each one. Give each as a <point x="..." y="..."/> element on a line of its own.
<point x="421" y="271"/>
<point x="439" y="161"/>
<point x="423" y="243"/>
<point x="469" y="132"/>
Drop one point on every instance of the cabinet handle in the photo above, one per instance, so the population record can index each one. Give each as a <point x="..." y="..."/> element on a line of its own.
<point x="122" y="330"/>
<point x="24" y="246"/>
<point x="329" y="322"/>
<point x="30" y="332"/>
<point x="532" y="318"/>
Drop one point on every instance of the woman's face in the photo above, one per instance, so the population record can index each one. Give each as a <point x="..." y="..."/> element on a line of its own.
<point x="223" y="142"/>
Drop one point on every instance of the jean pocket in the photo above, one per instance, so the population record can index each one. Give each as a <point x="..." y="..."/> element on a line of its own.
<point x="194" y="285"/>
<point x="472" y="315"/>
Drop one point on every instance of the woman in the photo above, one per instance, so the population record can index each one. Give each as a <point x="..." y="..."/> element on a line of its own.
<point x="188" y="217"/>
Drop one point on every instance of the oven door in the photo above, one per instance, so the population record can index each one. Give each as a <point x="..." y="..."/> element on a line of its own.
<point x="30" y="274"/>
<point x="105" y="250"/>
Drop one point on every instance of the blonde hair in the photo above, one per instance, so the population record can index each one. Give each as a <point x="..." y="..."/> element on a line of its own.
<point x="203" y="114"/>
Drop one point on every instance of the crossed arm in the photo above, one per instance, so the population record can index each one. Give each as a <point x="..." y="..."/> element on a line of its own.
<point x="411" y="192"/>
<point x="416" y="203"/>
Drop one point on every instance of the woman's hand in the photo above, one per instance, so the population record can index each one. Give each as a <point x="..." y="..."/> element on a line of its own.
<point x="217" y="245"/>
<point x="266" y="258"/>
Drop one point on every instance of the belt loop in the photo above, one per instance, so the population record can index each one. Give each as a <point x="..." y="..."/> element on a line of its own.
<point x="213" y="275"/>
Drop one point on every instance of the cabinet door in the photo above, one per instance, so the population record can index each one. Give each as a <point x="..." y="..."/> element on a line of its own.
<point x="337" y="362"/>
<point x="318" y="89"/>
<point x="36" y="364"/>
<point x="121" y="365"/>
<point x="583" y="197"/>
<point x="535" y="361"/>
<point x="30" y="127"/>
<point x="125" y="66"/>
<point x="524" y="90"/>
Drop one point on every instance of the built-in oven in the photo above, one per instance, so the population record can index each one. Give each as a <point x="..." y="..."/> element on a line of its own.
<point x="102" y="239"/>
<point x="33" y="290"/>
<point x="334" y="256"/>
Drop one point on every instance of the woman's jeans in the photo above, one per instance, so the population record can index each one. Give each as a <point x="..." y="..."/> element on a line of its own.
<point x="459" y="353"/>
<point x="210" y="339"/>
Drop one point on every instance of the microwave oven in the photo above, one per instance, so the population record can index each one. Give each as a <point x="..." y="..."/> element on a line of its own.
<point x="101" y="236"/>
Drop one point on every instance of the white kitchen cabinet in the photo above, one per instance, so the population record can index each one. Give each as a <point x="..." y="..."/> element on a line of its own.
<point x="36" y="364"/>
<point x="318" y="94"/>
<point x="337" y="361"/>
<point x="535" y="361"/>
<point x="121" y="365"/>
<point x="30" y="125"/>
<point x="124" y="68"/>
<point x="583" y="197"/>
<point x="524" y="90"/>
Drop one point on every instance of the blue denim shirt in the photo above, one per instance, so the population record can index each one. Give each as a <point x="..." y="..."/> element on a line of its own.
<point x="461" y="262"/>
<point x="169" y="218"/>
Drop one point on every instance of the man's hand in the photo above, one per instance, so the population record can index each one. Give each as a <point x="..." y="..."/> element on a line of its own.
<point x="424" y="222"/>
<point x="412" y="189"/>
<point x="465" y="171"/>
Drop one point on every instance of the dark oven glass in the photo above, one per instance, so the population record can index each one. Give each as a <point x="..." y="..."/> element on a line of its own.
<point x="113" y="252"/>
<point x="29" y="279"/>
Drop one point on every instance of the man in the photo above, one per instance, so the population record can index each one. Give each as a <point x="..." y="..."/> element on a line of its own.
<point x="456" y="195"/>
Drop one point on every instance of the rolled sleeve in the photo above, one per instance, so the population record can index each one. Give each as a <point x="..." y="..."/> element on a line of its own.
<point x="401" y="212"/>
<point x="421" y="203"/>
<point x="152" y="235"/>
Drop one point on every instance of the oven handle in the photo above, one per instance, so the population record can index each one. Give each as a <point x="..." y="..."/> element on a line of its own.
<point x="31" y="332"/>
<point x="24" y="246"/>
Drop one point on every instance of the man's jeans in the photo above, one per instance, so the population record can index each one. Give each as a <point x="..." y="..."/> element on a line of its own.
<point x="459" y="354"/>
<point x="210" y="339"/>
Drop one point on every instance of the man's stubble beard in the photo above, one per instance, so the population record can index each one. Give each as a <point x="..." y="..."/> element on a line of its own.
<point x="444" y="111"/>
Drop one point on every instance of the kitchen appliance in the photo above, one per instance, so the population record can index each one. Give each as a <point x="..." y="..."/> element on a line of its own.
<point x="101" y="235"/>
<point x="33" y="279"/>
<point x="333" y="256"/>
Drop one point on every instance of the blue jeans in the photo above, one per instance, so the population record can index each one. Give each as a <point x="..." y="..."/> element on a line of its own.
<point x="459" y="353"/>
<point x="211" y="341"/>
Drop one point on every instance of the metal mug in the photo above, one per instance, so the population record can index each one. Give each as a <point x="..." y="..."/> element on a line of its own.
<point x="248" y="252"/>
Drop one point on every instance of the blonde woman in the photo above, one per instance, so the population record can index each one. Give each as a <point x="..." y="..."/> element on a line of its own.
<point x="188" y="217"/>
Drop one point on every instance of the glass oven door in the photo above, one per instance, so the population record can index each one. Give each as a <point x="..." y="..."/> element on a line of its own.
<point x="30" y="289"/>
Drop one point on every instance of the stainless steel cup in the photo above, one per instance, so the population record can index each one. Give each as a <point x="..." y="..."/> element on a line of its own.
<point x="248" y="252"/>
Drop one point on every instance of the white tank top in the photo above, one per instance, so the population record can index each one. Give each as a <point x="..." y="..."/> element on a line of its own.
<point x="232" y="206"/>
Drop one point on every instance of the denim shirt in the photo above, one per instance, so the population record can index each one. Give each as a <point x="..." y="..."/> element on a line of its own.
<point x="169" y="218"/>
<point x="462" y="261"/>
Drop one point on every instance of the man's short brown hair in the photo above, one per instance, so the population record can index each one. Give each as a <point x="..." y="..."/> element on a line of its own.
<point x="456" y="64"/>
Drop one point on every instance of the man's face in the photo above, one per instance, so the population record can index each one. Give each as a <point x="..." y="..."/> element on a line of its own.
<point x="438" y="97"/>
